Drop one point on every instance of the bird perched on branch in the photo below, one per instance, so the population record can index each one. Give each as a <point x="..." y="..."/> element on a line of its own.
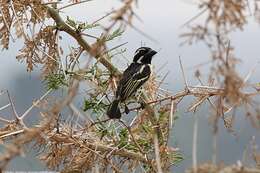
<point x="132" y="79"/>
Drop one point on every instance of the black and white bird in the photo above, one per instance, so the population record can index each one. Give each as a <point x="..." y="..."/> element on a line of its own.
<point x="132" y="79"/>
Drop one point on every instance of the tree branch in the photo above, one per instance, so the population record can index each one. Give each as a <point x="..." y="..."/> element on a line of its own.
<point x="103" y="148"/>
<point x="62" y="26"/>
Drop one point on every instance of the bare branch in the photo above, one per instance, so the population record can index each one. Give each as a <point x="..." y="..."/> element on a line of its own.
<point x="4" y="107"/>
<point x="157" y="153"/>
<point x="72" y="4"/>
<point x="34" y="104"/>
<point x="183" y="73"/>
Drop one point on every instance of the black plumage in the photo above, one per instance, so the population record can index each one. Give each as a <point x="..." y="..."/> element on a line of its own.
<point x="132" y="79"/>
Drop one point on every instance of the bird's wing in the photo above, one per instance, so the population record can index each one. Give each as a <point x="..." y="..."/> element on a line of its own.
<point x="133" y="78"/>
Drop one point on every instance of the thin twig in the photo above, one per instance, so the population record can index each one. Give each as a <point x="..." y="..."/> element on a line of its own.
<point x="47" y="54"/>
<point x="131" y="134"/>
<point x="12" y="133"/>
<point x="88" y="35"/>
<point x="72" y="4"/>
<point x="195" y="17"/>
<point x="3" y="120"/>
<point x="101" y="18"/>
<point x="51" y="3"/>
<point x="227" y="54"/>
<point x="12" y="105"/>
<point x="34" y="104"/>
<point x="250" y="72"/>
<point x="183" y="74"/>
<point x="171" y="113"/>
<point x="4" y="107"/>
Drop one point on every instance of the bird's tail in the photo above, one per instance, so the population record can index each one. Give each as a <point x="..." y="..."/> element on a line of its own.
<point x="113" y="110"/>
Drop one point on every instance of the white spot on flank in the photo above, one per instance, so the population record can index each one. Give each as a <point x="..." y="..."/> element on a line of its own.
<point x="141" y="69"/>
<point x="151" y="68"/>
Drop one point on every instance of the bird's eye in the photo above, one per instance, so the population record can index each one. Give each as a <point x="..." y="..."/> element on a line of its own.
<point x="139" y="51"/>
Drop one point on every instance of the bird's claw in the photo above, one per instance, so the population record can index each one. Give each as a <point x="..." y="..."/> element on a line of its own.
<point x="142" y="105"/>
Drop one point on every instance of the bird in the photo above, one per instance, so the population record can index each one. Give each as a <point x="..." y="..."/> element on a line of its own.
<point x="135" y="75"/>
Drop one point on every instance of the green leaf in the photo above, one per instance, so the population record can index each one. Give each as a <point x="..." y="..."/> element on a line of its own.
<point x="146" y="128"/>
<point x="118" y="32"/>
<point x="123" y="138"/>
<point x="80" y="26"/>
<point x="71" y="22"/>
<point x="93" y="104"/>
<point x="89" y="26"/>
<point x="88" y="104"/>
<point x="145" y="144"/>
<point x="176" y="157"/>
<point x="55" y="81"/>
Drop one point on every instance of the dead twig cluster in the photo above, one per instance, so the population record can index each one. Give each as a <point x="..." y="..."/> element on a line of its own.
<point x="79" y="139"/>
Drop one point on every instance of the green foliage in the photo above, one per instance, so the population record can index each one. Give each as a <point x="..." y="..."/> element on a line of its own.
<point x="80" y="26"/>
<point x="124" y="141"/>
<point x="55" y="81"/>
<point x="175" y="157"/>
<point x="71" y="22"/>
<point x="85" y="26"/>
<point x="145" y="144"/>
<point x="118" y="32"/>
<point x="94" y="101"/>
<point x="102" y="130"/>
<point x="95" y="105"/>
<point x="98" y="75"/>
<point x="147" y="128"/>
<point x="163" y="116"/>
<point x="123" y="135"/>
<point x="147" y="167"/>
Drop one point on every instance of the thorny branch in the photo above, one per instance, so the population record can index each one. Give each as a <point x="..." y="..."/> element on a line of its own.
<point x="81" y="148"/>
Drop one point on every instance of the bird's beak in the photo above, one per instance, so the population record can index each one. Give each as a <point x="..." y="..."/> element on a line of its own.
<point x="152" y="52"/>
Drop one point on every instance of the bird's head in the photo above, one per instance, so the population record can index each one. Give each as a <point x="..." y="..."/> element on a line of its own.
<point x="144" y="55"/>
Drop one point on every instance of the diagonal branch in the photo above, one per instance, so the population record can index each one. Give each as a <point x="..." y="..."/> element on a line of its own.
<point x="62" y="26"/>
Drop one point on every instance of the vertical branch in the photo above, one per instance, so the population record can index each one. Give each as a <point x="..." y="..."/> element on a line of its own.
<point x="194" y="143"/>
<point x="157" y="154"/>
<point x="183" y="74"/>
<point x="12" y="105"/>
<point x="173" y="106"/>
<point x="219" y="112"/>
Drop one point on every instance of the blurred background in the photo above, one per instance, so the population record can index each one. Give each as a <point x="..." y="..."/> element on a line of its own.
<point x="163" y="21"/>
